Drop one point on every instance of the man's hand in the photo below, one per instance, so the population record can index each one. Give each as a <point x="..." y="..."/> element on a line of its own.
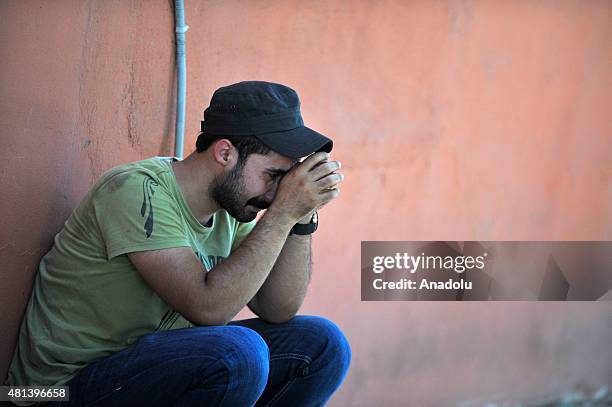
<point x="307" y="187"/>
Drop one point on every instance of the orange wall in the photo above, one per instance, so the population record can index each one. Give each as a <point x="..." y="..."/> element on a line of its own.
<point x="454" y="120"/>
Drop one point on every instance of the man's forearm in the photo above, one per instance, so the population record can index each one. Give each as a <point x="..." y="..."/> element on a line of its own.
<point x="233" y="283"/>
<point x="283" y="292"/>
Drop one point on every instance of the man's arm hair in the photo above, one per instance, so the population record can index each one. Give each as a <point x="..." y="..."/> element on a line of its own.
<point x="282" y="294"/>
<point x="214" y="298"/>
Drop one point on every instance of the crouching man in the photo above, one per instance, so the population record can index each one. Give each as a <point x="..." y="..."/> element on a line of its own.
<point x="134" y="303"/>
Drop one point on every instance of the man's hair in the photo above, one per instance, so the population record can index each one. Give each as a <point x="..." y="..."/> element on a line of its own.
<point x="246" y="145"/>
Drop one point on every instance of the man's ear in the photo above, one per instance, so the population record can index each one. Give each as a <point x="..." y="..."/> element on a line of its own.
<point x="224" y="152"/>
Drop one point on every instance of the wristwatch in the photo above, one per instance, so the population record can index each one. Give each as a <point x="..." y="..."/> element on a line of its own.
<point x="306" y="228"/>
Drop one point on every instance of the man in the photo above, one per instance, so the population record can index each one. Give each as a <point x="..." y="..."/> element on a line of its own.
<point x="132" y="306"/>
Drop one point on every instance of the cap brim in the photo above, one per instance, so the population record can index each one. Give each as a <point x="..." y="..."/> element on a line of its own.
<point x="296" y="143"/>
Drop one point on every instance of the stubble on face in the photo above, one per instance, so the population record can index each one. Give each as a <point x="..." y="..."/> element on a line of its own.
<point x="228" y="191"/>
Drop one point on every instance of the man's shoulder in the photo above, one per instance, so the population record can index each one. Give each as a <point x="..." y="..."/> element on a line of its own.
<point x="155" y="169"/>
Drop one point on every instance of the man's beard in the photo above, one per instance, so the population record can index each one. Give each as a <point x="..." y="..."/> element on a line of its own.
<point x="228" y="191"/>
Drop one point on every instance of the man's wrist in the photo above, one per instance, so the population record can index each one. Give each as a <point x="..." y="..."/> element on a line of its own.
<point x="306" y="219"/>
<point x="280" y="218"/>
<point x="306" y="228"/>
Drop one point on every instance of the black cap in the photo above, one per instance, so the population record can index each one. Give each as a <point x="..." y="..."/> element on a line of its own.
<point x="268" y="111"/>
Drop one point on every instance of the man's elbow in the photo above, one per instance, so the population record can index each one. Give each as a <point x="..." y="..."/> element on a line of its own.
<point x="273" y="314"/>
<point x="278" y="317"/>
<point x="221" y="320"/>
<point x="216" y="321"/>
<point x="212" y="318"/>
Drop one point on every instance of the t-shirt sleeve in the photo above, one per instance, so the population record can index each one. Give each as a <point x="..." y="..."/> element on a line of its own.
<point x="135" y="212"/>
<point x="242" y="231"/>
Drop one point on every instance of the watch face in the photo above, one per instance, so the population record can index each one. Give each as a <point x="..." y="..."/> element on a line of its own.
<point x="315" y="218"/>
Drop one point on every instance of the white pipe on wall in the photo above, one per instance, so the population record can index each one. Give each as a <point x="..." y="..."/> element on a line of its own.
<point x="181" y="68"/>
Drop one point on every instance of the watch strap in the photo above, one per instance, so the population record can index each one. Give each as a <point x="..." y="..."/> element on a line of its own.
<point x="305" y="228"/>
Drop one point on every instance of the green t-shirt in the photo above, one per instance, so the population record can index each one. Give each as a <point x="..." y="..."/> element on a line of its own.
<point x="88" y="300"/>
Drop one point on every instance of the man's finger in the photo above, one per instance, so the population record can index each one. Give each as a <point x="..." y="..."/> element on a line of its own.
<point x="329" y="194"/>
<point x="330" y="181"/>
<point x="313" y="160"/>
<point x="324" y="169"/>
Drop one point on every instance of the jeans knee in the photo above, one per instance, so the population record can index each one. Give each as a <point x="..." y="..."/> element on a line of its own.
<point x="338" y="345"/>
<point x="247" y="359"/>
<point x="336" y="351"/>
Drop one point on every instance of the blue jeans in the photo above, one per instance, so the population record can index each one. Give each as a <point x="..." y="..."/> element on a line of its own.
<point x="249" y="362"/>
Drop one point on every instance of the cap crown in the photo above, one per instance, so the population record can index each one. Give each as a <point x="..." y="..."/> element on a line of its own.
<point x="251" y="108"/>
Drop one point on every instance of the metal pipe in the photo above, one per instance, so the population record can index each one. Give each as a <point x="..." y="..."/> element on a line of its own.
<point x="181" y="69"/>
